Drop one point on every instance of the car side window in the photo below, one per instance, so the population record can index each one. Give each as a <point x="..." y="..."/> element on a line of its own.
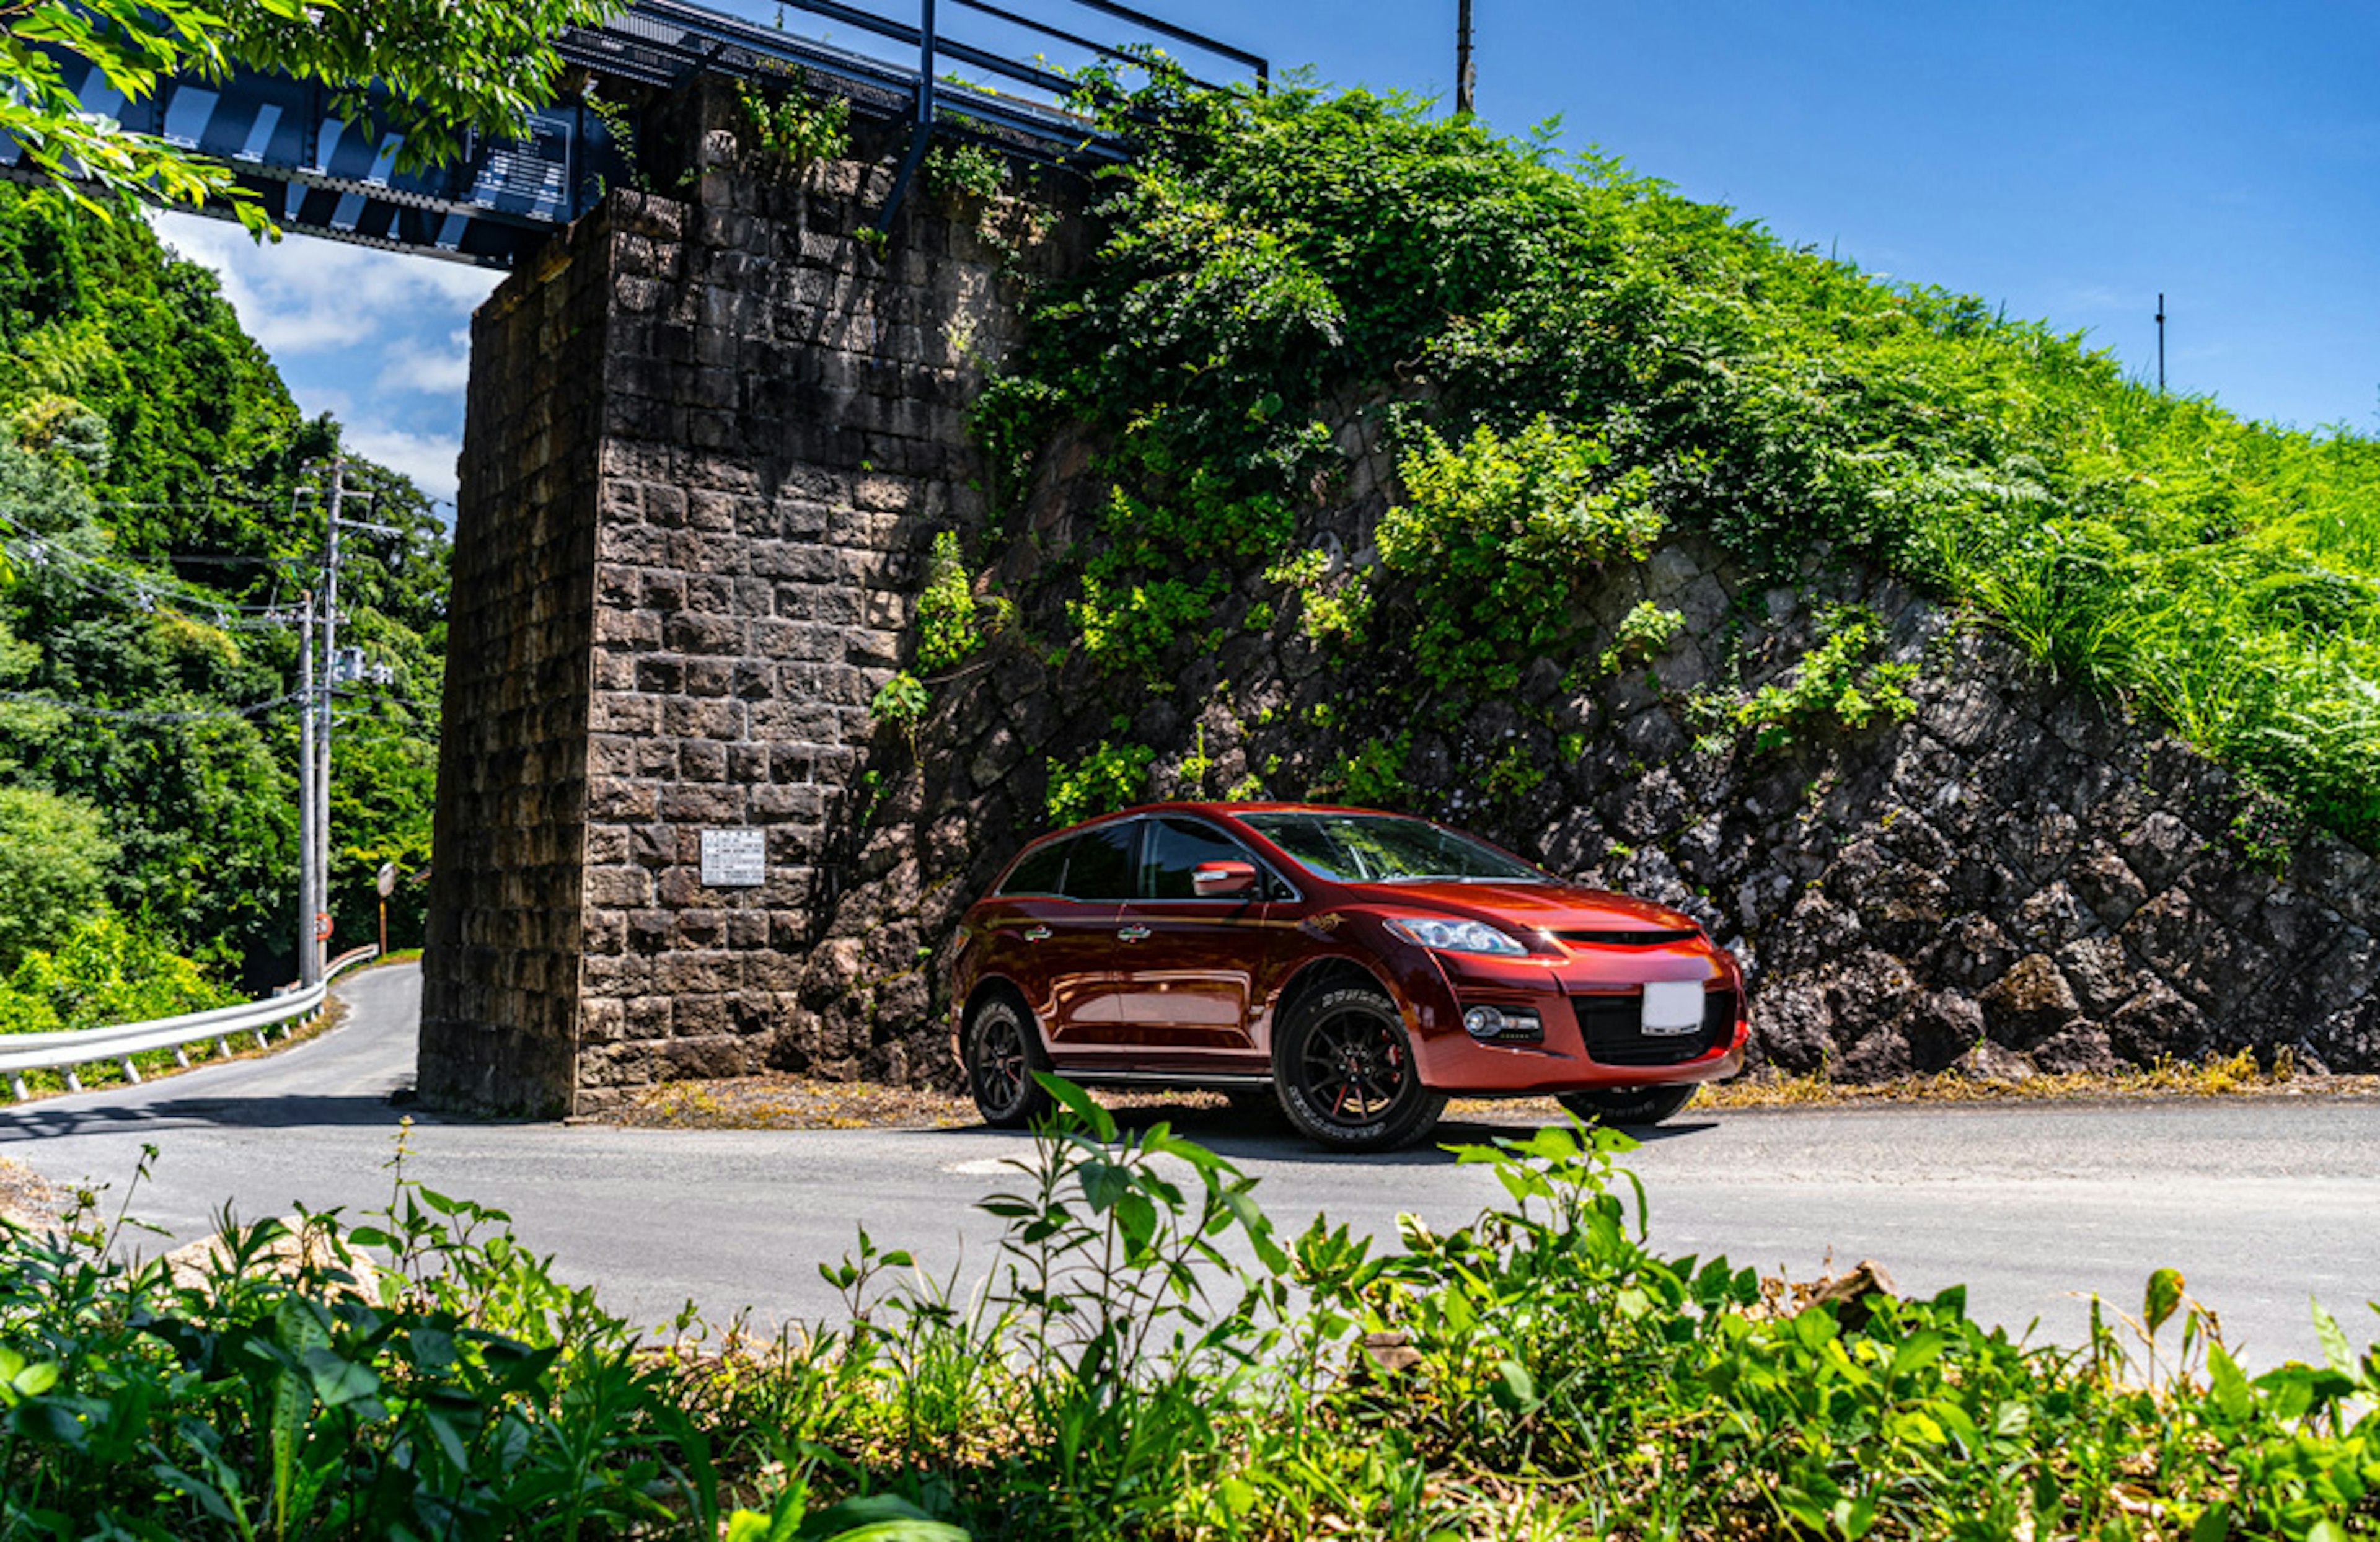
<point x="1175" y="849"/>
<point x="1100" y="862"/>
<point x="1042" y="872"/>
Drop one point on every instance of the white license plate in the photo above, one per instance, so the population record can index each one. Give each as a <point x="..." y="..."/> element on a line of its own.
<point x="1673" y="1008"/>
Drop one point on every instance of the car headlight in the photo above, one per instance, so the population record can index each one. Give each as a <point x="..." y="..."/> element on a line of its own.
<point x="1454" y="937"/>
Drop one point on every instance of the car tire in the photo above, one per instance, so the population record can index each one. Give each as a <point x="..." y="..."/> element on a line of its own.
<point x="1351" y="1043"/>
<point x="1639" y="1106"/>
<point x="1002" y="1051"/>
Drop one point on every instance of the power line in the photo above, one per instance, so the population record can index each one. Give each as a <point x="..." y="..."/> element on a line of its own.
<point x="35" y="548"/>
<point x="74" y="708"/>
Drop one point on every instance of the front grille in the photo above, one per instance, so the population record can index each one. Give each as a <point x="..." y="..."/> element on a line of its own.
<point x="1613" y="1028"/>
<point x="1627" y="939"/>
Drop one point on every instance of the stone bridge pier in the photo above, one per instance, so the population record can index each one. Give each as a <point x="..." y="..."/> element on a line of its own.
<point x="711" y="434"/>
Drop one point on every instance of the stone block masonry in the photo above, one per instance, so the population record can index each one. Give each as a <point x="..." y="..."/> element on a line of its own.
<point x="710" y="439"/>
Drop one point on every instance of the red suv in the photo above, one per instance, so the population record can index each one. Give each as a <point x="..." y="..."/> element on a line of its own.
<point x="1363" y="966"/>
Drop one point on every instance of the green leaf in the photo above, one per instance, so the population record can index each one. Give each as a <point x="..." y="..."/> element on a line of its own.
<point x="2163" y="1296"/>
<point x="2335" y="1348"/>
<point x="1079" y="1103"/>
<point x="2232" y="1394"/>
<point x="2214" y="1522"/>
<point x="337" y="1380"/>
<point x="876" y="1518"/>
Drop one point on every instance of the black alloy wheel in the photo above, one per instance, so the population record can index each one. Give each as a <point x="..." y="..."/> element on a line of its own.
<point x="1003" y="1049"/>
<point x="1639" y="1106"/>
<point x="1344" y="1069"/>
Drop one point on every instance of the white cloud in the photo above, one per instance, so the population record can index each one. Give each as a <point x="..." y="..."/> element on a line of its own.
<point x="379" y="340"/>
<point x="446" y="370"/>
<point x="306" y="294"/>
<point x="428" y="458"/>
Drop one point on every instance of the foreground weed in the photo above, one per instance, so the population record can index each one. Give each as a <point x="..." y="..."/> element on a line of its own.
<point x="1146" y="1359"/>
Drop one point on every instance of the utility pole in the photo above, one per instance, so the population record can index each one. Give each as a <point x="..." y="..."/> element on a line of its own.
<point x="310" y="892"/>
<point x="1465" y="79"/>
<point x="2160" y="319"/>
<point x="330" y="680"/>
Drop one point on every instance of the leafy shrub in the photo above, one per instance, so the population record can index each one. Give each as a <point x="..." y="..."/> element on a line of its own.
<point x="54" y="853"/>
<point x="790" y="127"/>
<point x="946" y="608"/>
<point x="1375" y="774"/>
<point x="1147" y="1358"/>
<point x="963" y="170"/>
<point x="1835" y="681"/>
<point x="1110" y="777"/>
<point x="1645" y="631"/>
<point x="901" y="702"/>
<point x="104" y="970"/>
<point x="1495" y="535"/>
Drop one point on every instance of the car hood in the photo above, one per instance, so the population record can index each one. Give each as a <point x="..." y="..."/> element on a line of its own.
<point x="1531" y="906"/>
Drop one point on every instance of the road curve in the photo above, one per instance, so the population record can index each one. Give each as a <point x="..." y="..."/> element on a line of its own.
<point x="2261" y="1204"/>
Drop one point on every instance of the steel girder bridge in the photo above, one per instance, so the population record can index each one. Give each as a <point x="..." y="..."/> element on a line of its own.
<point x="500" y="198"/>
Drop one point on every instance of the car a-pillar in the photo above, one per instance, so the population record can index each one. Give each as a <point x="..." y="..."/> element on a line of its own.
<point x="711" y="432"/>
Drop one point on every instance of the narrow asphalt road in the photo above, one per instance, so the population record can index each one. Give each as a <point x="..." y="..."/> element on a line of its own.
<point x="2261" y="1205"/>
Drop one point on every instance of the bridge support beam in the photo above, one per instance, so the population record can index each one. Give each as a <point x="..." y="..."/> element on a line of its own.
<point x="707" y="443"/>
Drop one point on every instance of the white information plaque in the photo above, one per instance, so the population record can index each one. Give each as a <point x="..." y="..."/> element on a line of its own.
<point x="734" y="858"/>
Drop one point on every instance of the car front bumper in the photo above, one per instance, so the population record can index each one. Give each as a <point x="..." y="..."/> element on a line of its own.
<point x="1590" y="1008"/>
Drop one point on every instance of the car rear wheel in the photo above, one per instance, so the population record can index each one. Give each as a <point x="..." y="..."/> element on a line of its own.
<point x="1344" y="1069"/>
<point x="1629" y="1105"/>
<point x="1002" y="1050"/>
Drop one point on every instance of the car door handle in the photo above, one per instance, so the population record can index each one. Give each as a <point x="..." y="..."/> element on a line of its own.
<point x="1035" y="934"/>
<point x="1131" y="934"/>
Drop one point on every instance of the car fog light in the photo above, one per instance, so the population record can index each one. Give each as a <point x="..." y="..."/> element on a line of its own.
<point x="1518" y="1024"/>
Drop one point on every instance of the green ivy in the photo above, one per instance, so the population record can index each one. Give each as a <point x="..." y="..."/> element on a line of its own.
<point x="792" y="126"/>
<point x="1375" y="775"/>
<point x="1645" y="631"/>
<point x="1838" y="682"/>
<point x="900" y="702"/>
<point x="1109" y="778"/>
<point x="1495" y="535"/>
<point x="956" y="170"/>
<point x="946" y="608"/>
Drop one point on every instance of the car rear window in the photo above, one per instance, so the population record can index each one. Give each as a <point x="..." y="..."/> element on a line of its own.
<point x="1100" y="862"/>
<point x="1175" y="849"/>
<point x="1043" y="871"/>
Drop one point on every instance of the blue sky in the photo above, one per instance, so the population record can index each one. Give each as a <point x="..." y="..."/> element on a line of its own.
<point x="2068" y="160"/>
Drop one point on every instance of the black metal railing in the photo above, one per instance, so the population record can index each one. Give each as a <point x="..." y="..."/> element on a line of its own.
<point x="315" y="171"/>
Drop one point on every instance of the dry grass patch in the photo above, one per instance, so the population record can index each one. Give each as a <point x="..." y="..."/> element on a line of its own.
<point x="781" y="1100"/>
<point x="2237" y="1076"/>
<point x="26" y="1197"/>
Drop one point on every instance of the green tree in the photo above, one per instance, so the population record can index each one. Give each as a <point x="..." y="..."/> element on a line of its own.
<point x="54" y="857"/>
<point x="429" y="70"/>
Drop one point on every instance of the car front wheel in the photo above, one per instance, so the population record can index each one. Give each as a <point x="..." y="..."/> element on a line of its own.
<point x="1002" y="1050"/>
<point x="1628" y="1105"/>
<point x="1344" y="1068"/>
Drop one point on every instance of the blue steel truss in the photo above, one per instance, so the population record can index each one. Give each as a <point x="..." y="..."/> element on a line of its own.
<point x="501" y="198"/>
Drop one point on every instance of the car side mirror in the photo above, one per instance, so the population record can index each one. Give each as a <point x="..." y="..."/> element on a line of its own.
<point x="1214" y="880"/>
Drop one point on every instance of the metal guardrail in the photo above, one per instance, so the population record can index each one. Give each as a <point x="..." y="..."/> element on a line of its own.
<point x="119" y="1043"/>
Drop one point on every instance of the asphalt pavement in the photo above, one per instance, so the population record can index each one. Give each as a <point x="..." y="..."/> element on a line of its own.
<point x="2263" y="1204"/>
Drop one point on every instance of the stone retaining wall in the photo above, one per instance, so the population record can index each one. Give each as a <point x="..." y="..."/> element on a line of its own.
<point x="710" y="439"/>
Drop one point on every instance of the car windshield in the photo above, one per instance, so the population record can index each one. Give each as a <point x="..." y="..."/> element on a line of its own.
<point x="1383" y="848"/>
